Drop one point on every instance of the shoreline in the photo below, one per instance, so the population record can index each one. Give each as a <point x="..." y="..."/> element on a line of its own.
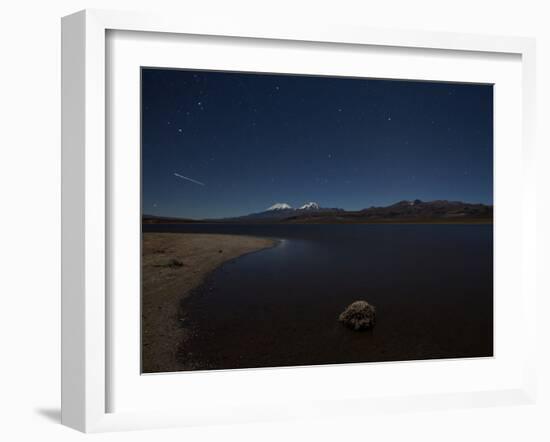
<point x="404" y="222"/>
<point x="172" y="266"/>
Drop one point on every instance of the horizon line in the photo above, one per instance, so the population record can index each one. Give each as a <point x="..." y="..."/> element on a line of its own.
<point x="320" y="207"/>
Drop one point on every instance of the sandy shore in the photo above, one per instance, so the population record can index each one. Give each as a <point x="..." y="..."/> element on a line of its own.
<point x="173" y="264"/>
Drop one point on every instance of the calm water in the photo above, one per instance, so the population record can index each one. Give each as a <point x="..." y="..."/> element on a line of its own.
<point x="432" y="286"/>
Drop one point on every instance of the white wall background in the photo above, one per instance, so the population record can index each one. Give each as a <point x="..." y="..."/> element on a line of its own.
<point x="30" y="220"/>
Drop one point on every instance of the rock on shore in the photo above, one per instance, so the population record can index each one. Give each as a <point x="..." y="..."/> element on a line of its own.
<point x="360" y="315"/>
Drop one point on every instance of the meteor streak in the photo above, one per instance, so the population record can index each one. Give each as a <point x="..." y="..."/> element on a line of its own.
<point x="189" y="179"/>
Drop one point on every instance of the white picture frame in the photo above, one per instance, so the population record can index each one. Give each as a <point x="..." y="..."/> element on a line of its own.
<point x="85" y="209"/>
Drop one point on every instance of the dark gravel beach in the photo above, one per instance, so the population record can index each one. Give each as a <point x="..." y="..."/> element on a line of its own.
<point x="173" y="264"/>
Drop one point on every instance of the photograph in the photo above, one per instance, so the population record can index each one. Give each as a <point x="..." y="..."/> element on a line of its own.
<point x="303" y="220"/>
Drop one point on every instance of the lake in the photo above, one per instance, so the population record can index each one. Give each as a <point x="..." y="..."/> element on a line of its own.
<point x="432" y="285"/>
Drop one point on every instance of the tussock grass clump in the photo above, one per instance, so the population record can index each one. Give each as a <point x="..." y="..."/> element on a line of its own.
<point x="171" y="263"/>
<point x="174" y="263"/>
<point x="359" y="315"/>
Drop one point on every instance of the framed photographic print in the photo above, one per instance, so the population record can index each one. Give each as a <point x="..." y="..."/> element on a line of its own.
<point x="242" y="269"/>
<point x="271" y="223"/>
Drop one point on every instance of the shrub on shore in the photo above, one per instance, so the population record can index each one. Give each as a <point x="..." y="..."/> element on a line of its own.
<point x="171" y="263"/>
<point x="174" y="263"/>
<point x="359" y="315"/>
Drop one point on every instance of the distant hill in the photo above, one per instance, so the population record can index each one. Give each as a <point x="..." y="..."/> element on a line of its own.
<point x="154" y="219"/>
<point x="406" y="211"/>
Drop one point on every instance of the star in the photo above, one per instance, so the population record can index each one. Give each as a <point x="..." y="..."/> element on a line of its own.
<point x="180" y="130"/>
<point x="389" y="118"/>
<point x="329" y="155"/>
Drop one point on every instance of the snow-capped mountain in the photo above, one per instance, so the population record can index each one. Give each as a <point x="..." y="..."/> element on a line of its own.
<point x="310" y="206"/>
<point x="280" y="206"/>
<point x="284" y="206"/>
<point x="281" y="211"/>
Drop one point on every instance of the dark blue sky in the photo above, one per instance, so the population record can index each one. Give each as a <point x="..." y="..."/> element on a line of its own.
<point x="253" y="140"/>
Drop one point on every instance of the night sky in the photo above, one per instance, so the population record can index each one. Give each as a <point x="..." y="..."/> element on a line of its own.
<point x="240" y="143"/>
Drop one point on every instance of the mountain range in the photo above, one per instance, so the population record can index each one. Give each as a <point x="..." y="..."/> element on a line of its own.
<point x="406" y="211"/>
<point x="282" y="211"/>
